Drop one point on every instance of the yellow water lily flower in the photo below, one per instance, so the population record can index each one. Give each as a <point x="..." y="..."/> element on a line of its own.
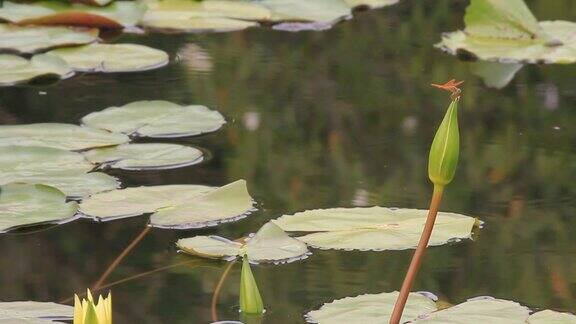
<point x="88" y="312"/>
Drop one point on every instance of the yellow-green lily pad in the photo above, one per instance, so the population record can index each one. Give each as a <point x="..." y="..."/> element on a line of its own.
<point x="62" y="136"/>
<point x="327" y="11"/>
<point x="507" y="32"/>
<point x="145" y="156"/>
<point x="156" y="118"/>
<point x="370" y="308"/>
<point x="15" y="69"/>
<point x="203" y="16"/>
<point x="269" y="244"/>
<point x="479" y="310"/>
<point x="551" y="317"/>
<point x="33" y="204"/>
<point x="27" y="39"/>
<point x="112" y="57"/>
<point x="374" y="228"/>
<point x="51" y="12"/>
<point x="34" y="312"/>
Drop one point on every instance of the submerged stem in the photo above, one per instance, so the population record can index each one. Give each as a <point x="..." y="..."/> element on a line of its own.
<point x="418" y="254"/>
<point x="219" y="286"/>
<point x="120" y="257"/>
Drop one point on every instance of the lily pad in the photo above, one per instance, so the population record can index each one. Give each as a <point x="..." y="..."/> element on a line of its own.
<point x="203" y="16"/>
<point x="145" y="156"/>
<point x="25" y="39"/>
<point x="370" y="308"/>
<point x="138" y="200"/>
<point x="225" y="204"/>
<point x="156" y="119"/>
<point x="62" y="136"/>
<point x="371" y="3"/>
<point x="76" y="185"/>
<point x="479" y="310"/>
<point x="28" y="204"/>
<point x="269" y="244"/>
<point x="507" y="32"/>
<point x="551" y="317"/>
<point x="495" y="75"/>
<point x="112" y="57"/>
<point x="34" y="312"/>
<point x="374" y="228"/>
<point x="305" y="10"/>
<point x="15" y="69"/>
<point x="116" y="15"/>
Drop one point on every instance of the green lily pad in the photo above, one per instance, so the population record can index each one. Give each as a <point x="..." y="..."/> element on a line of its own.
<point x="551" y="317"/>
<point x="15" y="69"/>
<point x="479" y="310"/>
<point x="116" y="15"/>
<point x="12" y="320"/>
<point x="139" y="200"/>
<point x="371" y="3"/>
<point x="112" y="57"/>
<point x="25" y="39"/>
<point x="507" y="32"/>
<point x="173" y="206"/>
<point x="35" y="310"/>
<point x="28" y="204"/>
<point x="225" y="204"/>
<point x="327" y="11"/>
<point x="64" y="170"/>
<point x="374" y="228"/>
<point x="156" y="119"/>
<point x="195" y="25"/>
<point x="62" y="136"/>
<point x="145" y="156"/>
<point x="370" y="308"/>
<point x="495" y="75"/>
<point x="269" y="244"/>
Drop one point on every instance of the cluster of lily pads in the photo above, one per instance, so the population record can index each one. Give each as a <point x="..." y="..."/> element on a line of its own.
<point x="38" y="48"/>
<point x="44" y="166"/>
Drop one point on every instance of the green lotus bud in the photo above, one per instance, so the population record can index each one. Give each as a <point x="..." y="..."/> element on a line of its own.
<point x="250" y="300"/>
<point x="445" y="148"/>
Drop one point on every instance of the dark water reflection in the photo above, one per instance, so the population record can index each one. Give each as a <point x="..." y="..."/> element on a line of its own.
<point x="323" y="119"/>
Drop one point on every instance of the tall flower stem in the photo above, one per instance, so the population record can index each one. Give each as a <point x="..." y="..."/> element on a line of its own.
<point x="214" y="304"/>
<point x="418" y="254"/>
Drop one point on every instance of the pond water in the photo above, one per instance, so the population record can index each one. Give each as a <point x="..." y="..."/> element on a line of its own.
<point x="342" y="117"/>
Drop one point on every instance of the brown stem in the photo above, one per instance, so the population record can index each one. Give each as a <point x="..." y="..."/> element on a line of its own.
<point x="418" y="254"/>
<point x="120" y="257"/>
<point x="217" y="291"/>
<point x="136" y="276"/>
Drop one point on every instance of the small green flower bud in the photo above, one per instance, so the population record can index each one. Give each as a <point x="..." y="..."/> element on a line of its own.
<point x="445" y="148"/>
<point x="250" y="300"/>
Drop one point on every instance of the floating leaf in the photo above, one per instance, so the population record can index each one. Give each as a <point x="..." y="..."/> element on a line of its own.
<point x="139" y="200"/>
<point x="24" y="39"/>
<point x="203" y="16"/>
<point x="551" y="317"/>
<point x="156" y="119"/>
<point x="479" y="310"/>
<point x="145" y="156"/>
<point x="116" y="15"/>
<point x="370" y="308"/>
<point x="507" y="32"/>
<point x="494" y="74"/>
<point x="374" y="228"/>
<point x="371" y="3"/>
<point x="63" y="136"/>
<point x="31" y="310"/>
<point x="76" y="185"/>
<point x="269" y="244"/>
<point x="305" y="10"/>
<point x="15" y="69"/>
<point x="28" y="204"/>
<point x="228" y="203"/>
<point x="112" y="57"/>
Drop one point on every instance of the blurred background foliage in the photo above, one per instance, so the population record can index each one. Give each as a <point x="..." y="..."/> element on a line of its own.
<point x="344" y="118"/>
